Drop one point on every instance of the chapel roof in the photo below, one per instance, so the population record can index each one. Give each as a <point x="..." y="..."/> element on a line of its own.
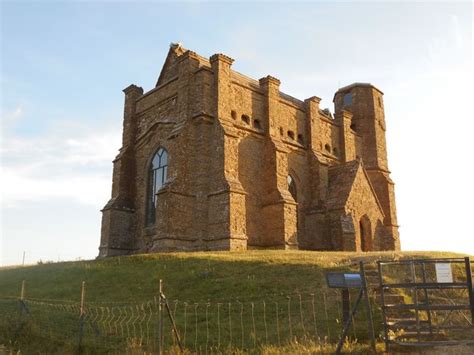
<point x="340" y="180"/>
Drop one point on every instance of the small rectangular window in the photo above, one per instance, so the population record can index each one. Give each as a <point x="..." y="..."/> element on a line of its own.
<point x="347" y="99"/>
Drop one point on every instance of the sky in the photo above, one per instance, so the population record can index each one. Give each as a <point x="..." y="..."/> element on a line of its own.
<point x="64" y="65"/>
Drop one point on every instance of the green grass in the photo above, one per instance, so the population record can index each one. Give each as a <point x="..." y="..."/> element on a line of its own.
<point x="210" y="279"/>
<point x="188" y="276"/>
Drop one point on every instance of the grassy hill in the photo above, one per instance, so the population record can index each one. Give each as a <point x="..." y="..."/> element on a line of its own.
<point x="243" y="300"/>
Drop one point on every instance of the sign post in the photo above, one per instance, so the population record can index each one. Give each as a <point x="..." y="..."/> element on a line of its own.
<point x="345" y="281"/>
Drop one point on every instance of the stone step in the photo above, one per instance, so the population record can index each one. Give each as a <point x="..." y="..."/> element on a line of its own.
<point x="369" y="266"/>
<point x="421" y="334"/>
<point x="391" y="315"/>
<point x="372" y="280"/>
<point x="372" y="275"/>
<point x="373" y="285"/>
<point x="405" y="321"/>
<point x="390" y="299"/>
<point x="410" y="327"/>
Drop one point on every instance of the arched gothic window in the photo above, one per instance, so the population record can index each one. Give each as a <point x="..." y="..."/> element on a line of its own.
<point x="157" y="173"/>
<point x="292" y="187"/>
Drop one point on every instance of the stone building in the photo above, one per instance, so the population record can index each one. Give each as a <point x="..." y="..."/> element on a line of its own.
<point x="214" y="160"/>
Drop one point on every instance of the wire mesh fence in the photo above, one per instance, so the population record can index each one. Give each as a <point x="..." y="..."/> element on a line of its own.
<point x="213" y="326"/>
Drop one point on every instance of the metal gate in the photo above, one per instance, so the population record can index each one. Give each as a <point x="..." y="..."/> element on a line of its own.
<point x="437" y="307"/>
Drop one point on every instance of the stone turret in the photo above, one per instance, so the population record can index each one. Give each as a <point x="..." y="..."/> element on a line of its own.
<point x="365" y="102"/>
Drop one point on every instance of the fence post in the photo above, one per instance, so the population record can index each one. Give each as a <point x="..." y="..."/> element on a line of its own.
<point x="23" y="310"/>
<point x="160" y="319"/>
<point x="23" y="307"/>
<point x="81" y="315"/>
<point x="22" y="294"/>
<point x="83" y="295"/>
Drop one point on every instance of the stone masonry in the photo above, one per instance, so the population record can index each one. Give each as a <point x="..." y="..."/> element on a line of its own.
<point x="214" y="160"/>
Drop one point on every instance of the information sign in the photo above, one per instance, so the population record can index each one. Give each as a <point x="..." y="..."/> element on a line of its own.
<point x="342" y="280"/>
<point x="443" y="272"/>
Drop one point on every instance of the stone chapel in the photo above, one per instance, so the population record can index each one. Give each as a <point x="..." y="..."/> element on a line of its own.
<point x="214" y="160"/>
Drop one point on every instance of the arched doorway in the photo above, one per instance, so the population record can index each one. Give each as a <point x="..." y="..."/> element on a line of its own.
<point x="365" y="232"/>
<point x="292" y="187"/>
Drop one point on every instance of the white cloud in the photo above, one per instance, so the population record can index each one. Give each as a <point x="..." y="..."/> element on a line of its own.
<point x="74" y="164"/>
<point x="457" y="32"/>
<point x="22" y="188"/>
<point x="12" y="115"/>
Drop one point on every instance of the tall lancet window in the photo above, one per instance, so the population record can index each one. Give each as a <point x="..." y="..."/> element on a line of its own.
<point x="156" y="178"/>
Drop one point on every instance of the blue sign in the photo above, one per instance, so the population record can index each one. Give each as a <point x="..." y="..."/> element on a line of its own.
<point x="343" y="280"/>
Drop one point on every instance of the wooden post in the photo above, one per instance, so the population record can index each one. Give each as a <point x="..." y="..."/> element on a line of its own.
<point x="23" y="262"/>
<point x="22" y="294"/>
<point x="23" y="307"/>
<point x="346" y="305"/>
<point x="83" y="294"/>
<point x="160" y="319"/>
<point x="349" y="321"/>
<point x="81" y="316"/>
<point x="173" y="324"/>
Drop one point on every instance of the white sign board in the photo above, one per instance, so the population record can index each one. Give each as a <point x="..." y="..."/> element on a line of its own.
<point x="443" y="272"/>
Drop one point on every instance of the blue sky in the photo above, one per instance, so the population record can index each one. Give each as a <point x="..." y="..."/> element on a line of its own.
<point x="64" y="64"/>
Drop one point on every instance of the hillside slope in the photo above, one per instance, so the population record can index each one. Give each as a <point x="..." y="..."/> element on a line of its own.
<point x="196" y="276"/>
<point x="241" y="300"/>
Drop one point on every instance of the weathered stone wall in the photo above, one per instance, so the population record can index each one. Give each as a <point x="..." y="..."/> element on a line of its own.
<point x="232" y="142"/>
<point x="247" y="102"/>
<point x="330" y="138"/>
<point x="251" y="156"/>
